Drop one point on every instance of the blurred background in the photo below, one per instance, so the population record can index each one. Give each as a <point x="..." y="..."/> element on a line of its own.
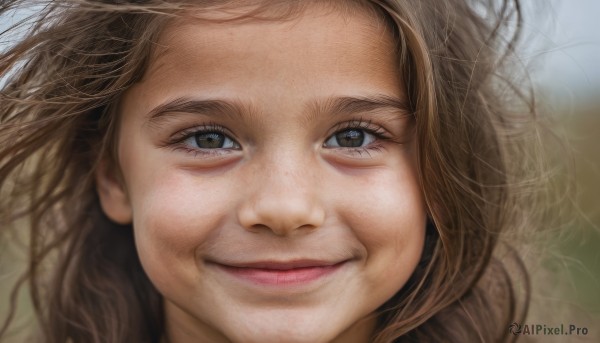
<point x="564" y="63"/>
<point x="561" y="51"/>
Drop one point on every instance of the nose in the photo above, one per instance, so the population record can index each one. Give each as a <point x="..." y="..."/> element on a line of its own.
<point x="283" y="200"/>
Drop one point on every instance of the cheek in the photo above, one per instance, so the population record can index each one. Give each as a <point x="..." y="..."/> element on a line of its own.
<point x="173" y="216"/>
<point x="388" y="218"/>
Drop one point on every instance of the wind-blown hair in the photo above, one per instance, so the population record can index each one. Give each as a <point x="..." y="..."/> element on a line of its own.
<point x="59" y="117"/>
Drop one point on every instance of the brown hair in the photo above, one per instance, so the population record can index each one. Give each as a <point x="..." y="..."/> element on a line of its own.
<point x="58" y="117"/>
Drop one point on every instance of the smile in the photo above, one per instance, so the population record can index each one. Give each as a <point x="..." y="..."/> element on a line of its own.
<point x="281" y="274"/>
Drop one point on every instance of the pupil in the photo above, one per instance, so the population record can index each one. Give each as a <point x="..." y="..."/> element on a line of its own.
<point x="350" y="138"/>
<point x="211" y="140"/>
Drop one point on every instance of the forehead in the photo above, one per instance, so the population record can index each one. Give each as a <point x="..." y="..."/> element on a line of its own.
<point x="223" y="35"/>
<point x="273" y="64"/>
<point x="252" y="13"/>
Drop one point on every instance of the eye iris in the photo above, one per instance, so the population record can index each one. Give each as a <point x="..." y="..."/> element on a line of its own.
<point x="350" y="138"/>
<point x="210" y="140"/>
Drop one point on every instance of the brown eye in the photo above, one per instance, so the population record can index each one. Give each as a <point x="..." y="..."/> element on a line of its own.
<point x="349" y="138"/>
<point x="210" y="140"/>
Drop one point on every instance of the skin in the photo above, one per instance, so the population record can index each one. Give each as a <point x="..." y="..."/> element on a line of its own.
<point x="284" y="189"/>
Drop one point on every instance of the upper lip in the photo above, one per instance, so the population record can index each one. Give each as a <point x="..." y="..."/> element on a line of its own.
<point x="280" y="265"/>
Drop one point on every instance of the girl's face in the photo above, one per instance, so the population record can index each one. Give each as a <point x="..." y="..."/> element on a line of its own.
<point x="269" y="172"/>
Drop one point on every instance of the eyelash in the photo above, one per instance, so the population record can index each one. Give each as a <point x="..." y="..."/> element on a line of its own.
<point x="178" y="139"/>
<point x="365" y="125"/>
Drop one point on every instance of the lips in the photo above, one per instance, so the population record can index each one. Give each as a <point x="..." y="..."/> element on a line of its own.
<point x="277" y="273"/>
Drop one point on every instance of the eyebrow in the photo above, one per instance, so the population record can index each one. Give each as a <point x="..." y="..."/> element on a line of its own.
<point x="349" y="105"/>
<point x="200" y="106"/>
<point x="344" y="105"/>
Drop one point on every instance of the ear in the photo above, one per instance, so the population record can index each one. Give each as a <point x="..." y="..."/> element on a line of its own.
<point x="113" y="195"/>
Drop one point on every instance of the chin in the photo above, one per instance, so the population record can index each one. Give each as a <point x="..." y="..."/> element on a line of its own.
<point x="287" y="335"/>
<point x="287" y="328"/>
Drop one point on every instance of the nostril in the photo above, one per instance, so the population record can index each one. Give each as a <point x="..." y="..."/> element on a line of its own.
<point x="258" y="227"/>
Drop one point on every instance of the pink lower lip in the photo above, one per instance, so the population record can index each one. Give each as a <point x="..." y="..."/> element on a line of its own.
<point x="281" y="277"/>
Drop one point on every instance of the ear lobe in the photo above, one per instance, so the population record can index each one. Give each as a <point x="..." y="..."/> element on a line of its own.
<point x="113" y="195"/>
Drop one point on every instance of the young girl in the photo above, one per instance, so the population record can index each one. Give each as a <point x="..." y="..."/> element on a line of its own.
<point x="265" y="171"/>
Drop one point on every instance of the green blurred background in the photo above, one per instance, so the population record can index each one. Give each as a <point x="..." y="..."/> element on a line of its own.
<point x="562" y="53"/>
